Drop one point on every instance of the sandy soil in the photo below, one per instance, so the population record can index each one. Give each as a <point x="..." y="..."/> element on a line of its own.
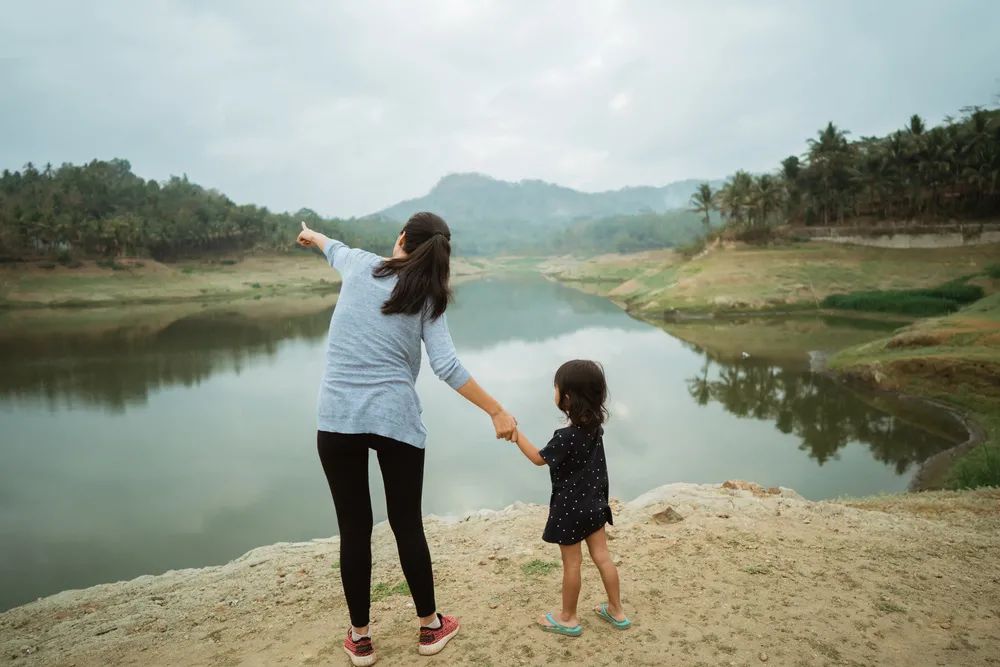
<point x="747" y="577"/>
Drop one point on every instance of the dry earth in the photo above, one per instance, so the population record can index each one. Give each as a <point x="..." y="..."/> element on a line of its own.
<point x="747" y="577"/>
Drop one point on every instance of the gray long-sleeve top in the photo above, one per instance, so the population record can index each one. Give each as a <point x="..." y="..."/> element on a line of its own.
<point x="372" y="360"/>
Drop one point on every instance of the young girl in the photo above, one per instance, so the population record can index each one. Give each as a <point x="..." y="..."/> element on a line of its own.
<point x="579" y="507"/>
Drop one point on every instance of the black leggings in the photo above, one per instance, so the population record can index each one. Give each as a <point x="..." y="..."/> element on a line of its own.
<point x="345" y="461"/>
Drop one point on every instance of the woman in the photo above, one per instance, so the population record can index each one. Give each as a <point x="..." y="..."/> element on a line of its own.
<point x="367" y="400"/>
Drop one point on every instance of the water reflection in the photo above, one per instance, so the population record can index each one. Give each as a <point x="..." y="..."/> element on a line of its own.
<point x="824" y="415"/>
<point x="119" y="363"/>
<point x="184" y="436"/>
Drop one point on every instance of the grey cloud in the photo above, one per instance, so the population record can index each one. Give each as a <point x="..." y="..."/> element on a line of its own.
<point x="349" y="107"/>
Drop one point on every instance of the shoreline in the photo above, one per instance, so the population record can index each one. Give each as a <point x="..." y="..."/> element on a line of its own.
<point x="745" y="572"/>
<point x="934" y="471"/>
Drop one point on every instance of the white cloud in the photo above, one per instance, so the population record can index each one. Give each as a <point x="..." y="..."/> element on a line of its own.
<point x="349" y="107"/>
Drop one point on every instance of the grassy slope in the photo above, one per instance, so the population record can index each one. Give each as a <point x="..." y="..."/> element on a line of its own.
<point x="953" y="359"/>
<point x="150" y="282"/>
<point x="743" y="278"/>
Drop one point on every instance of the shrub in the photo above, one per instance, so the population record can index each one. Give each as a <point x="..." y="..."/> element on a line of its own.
<point x="64" y="257"/>
<point x="111" y="264"/>
<point x="993" y="271"/>
<point x="940" y="300"/>
<point x="980" y="467"/>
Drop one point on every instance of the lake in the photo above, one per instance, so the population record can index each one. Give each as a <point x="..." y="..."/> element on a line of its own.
<point x="160" y="438"/>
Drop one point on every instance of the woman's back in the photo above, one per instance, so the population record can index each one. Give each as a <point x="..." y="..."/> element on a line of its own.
<point x="373" y="359"/>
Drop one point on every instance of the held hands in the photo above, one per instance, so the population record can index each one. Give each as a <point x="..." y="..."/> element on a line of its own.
<point x="505" y="425"/>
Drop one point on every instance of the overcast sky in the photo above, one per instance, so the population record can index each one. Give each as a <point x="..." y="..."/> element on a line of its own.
<point x="348" y="107"/>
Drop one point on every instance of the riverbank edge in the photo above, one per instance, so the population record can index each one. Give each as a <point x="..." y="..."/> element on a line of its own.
<point x="933" y="472"/>
<point x="282" y="603"/>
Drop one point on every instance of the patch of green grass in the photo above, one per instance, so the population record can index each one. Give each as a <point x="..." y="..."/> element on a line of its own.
<point x="335" y="565"/>
<point x="941" y="300"/>
<point x="993" y="271"/>
<point x="757" y="569"/>
<point x="382" y="590"/>
<point x="539" y="567"/>
<point x="889" y="607"/>
<point x="978" y="468"/>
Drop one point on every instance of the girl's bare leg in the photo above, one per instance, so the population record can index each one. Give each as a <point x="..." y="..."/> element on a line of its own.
<point x="572" y="559"/>
<point x="597" y="545"/>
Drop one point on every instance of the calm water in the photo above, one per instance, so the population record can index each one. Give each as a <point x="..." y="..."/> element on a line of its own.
<point x="183" y="439"/>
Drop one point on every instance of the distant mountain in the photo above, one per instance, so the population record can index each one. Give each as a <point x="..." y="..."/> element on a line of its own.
<point x="466" y="199"/>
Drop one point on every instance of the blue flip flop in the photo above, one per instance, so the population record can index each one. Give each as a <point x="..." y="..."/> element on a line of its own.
<point x="560" y="629"/>
<point x="602" y="611"/>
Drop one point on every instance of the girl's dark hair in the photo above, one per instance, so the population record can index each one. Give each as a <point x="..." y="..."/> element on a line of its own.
<point x="582" y="392"/>
<point x="423" y="273"/>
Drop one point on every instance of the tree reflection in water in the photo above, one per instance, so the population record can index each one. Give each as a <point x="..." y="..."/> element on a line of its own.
<point x="825" y="416"/>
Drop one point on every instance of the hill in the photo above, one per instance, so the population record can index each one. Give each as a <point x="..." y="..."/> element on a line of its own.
<point x="466" y="199"/>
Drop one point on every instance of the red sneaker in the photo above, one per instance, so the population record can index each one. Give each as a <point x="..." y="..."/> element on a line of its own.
<point x="361" y="652"/>
<point x="433" y="640"/>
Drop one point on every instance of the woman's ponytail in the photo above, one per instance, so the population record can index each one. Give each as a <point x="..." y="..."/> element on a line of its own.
<point x="422" y="276"/>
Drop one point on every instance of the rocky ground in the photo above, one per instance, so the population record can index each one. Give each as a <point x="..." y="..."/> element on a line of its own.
<point x="744" y="577"/>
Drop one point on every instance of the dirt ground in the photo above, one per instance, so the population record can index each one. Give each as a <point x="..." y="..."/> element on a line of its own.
<point x="747" y="577"/>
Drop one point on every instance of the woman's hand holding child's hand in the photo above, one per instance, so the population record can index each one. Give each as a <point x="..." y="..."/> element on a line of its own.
<point x="505" y="425"/>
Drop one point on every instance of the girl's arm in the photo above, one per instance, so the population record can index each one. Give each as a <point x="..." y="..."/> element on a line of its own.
<point x="528" y="449"/>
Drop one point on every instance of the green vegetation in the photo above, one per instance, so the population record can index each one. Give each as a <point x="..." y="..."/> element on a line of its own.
<point x="742" y="278"/>
<point x="382" y="590"/>
<point x="953" y="359"/>
<point x="948" y="171"/>
<point x="978" y="468"/>
<point x="628" y="233"/>
<point x="940" y="300"/>
<point x="538" y="567"/>
<point x="101" y="209"/>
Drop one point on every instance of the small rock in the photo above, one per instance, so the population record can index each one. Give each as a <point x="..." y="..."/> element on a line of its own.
<point x="946" y="626"/>
<point x="762" y="657"/>
<point x="668" y="515"/>
<point x="722" y="516"/>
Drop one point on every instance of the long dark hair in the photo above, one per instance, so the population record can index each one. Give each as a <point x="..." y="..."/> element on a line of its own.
<point x="582" y="392"/>
<point x="423" y="273"/>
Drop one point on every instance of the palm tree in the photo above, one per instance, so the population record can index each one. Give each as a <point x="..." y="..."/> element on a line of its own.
<point x="767" y="197"/>
<point x="734" y="198"/>
<point x="703" y="201"/>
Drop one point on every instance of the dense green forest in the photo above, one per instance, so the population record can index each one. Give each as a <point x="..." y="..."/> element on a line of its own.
<point x="102" y="209"/>
<point x="950" y="171"/>
<point x="631" y="233"/>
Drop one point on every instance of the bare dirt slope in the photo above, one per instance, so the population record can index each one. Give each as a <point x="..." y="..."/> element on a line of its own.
<point x="746" y="578"/>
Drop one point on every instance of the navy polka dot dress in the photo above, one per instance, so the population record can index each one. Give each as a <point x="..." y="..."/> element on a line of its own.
<point x="579" y="472"/>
